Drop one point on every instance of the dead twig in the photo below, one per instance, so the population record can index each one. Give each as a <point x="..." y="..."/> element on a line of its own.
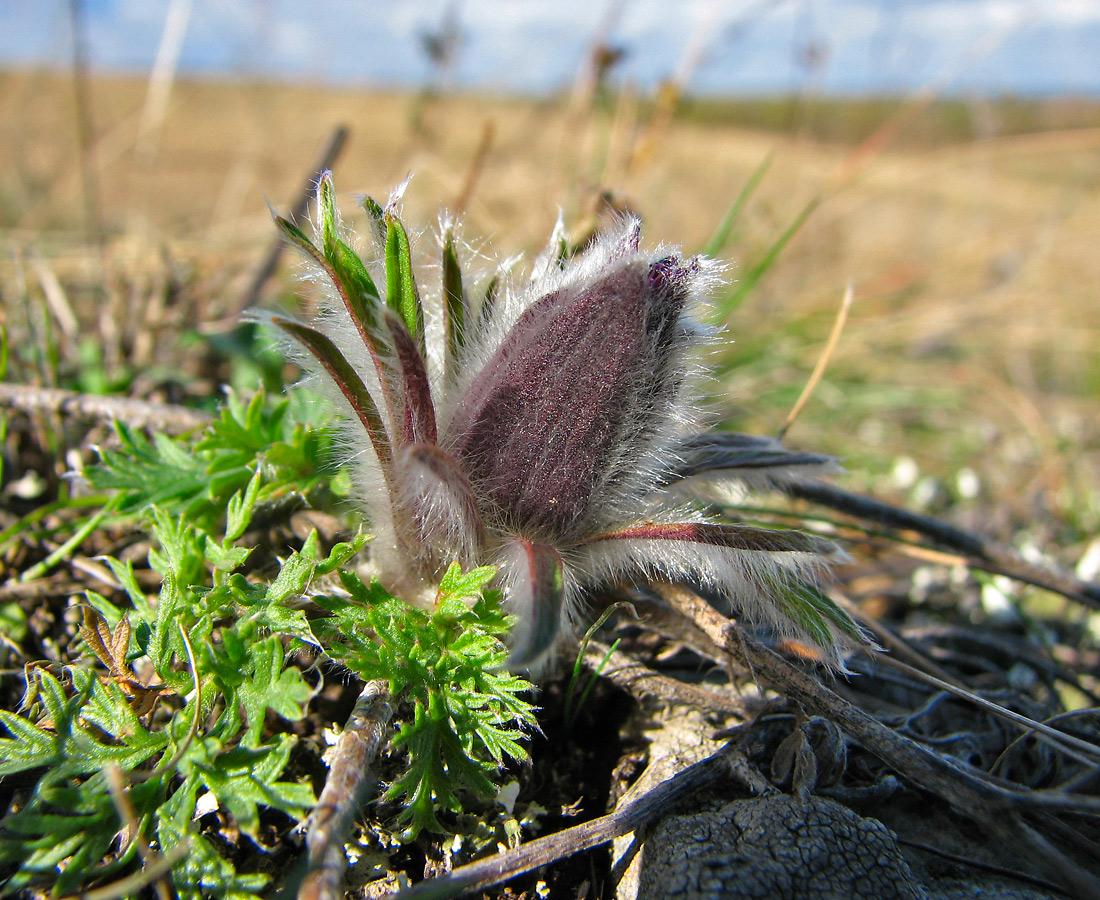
<point x="1082" y="751"/>
<point x="972" y="862"/>
<point x="345" y="788"/>
<point x="642" y="682"/>
<point x="982" y="552"/>
<point x="131" y="411"/>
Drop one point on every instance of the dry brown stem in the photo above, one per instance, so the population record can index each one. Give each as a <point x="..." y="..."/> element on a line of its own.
<point x="642" y="682"/>
<point x="981" y="552"/>
<point x="102" y="408"/>
<point x="345" y="788"/>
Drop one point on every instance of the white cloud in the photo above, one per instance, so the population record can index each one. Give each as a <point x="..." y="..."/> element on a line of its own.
<point x="1074" y="12"/>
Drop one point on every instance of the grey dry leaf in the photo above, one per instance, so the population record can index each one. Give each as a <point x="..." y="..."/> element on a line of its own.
<point x="547" y="427"/>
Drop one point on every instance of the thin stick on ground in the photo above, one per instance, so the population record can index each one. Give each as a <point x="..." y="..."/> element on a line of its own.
<point x="1085" y="753"/>
<point x="643" y="683"/>
<point x="345" y="789"/>
<point x="982" y="552"/>
<point x="131" y="411"/>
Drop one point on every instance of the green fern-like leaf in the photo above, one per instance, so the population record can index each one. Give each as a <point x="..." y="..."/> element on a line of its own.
<point x="470" y="714"/>
<point x="70" y="821"/>
<point x="212" y="637"/>
<point x="439" y="767"/>
<point x="201" y="871"/>
<point x="196" y="480"/>
<point x="81" y="729"/>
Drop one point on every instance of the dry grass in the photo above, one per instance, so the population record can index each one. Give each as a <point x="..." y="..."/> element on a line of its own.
<point x="972" y="340"/>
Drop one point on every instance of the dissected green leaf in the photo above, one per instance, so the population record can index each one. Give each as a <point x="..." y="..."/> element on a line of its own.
<point x="271" y="684"/>
<point x="241" y="506"/>
<point x="29" y="746"/>
<point x="471" y="712"/>
<point x="61" y="848"/>
<point x="458" y="585"/>
<point x="146" y="472"/>
<point x="196" y="481"/>
<point x="211" y="643"/>
<point x="247" y="778"/>
<point x="70" y="821"/>
<point x="439" y="766"/>
<point x="202" y="872"/>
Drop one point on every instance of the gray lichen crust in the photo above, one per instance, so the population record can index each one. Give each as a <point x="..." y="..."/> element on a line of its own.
<point x="775" y="847"/>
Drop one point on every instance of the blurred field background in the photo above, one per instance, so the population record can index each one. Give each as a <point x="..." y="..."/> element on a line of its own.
<point x="967" y="378"/>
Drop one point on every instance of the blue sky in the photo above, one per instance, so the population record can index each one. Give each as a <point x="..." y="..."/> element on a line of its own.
<point x="725" y="46"/>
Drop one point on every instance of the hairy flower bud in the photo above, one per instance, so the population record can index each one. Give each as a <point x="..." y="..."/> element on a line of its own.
<point x="541" y="431"/>
<point x="549" y="430"/>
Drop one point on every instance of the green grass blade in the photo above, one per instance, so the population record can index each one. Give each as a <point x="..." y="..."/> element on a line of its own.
<point x="66" y="549"/>
<point x="728" y="304"/>
<point x="721" y="236"/>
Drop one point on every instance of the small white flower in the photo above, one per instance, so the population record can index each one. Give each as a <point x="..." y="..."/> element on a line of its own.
<point x="548" y="428"/>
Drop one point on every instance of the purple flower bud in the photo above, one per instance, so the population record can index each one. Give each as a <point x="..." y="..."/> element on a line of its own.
<point x="542" y="429"/>
<point x="552" y="437"/>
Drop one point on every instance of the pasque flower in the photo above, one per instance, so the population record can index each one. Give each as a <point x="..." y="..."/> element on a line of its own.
<point x="547" y="427"/>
